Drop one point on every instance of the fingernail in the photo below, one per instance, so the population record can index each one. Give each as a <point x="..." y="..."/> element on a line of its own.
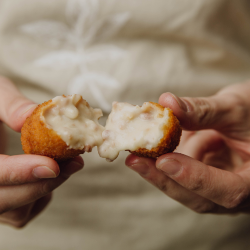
<point x="181" y="103"/>
<point x="71" y="168"/>
<point x="142" y="169"/>
<point x="43" y="172"/>
<point x="170" y="166"/>
<point x="27" y="108"/>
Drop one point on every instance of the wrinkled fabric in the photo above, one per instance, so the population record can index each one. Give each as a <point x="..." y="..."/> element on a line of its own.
<point x="133" y="51"/>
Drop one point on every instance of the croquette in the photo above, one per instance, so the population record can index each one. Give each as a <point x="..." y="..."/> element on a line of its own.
<point x="62" y="128"/>
<point x="147" y="131"/>
<point x="67" y="126"/>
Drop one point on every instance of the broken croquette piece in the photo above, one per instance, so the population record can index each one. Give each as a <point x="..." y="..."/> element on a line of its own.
<point x="62" y="128"/>
<point x="147" y="131"/>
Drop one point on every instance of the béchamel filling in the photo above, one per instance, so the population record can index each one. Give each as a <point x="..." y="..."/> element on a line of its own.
<point x="128" y="127"/>
<point x="75" y="122"/>
<point x="132" y="127"/>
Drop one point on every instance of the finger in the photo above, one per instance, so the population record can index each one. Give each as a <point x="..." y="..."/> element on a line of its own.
<point x="40" y="205"/>
<point x="17" y="217"/>
<point x="215" y="112"/>
<point x="14" y="107"/>
<point x="201" y="143"/>
<point x="19" y="195"/>
<point x="209" y="147"/>
<point x="37" y="208"/>
<point x="146" y="168"/>
<point x="222" y="187"/>
<point x="19" y="169"/>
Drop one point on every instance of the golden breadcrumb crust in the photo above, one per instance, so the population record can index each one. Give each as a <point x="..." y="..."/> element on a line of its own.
<point x="171" y="139"/>
<point x="37" y="139"/>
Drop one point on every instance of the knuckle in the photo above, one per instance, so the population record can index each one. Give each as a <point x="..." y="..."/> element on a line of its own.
<point x="197" y="184"/>
<point x="163" y="188"/>
<point x="164" y="184"/>
<point x="11" y="174"/>
<point x="204" y="110"/>
<point x="14" y="178"/>
<point x="204" y="114"/>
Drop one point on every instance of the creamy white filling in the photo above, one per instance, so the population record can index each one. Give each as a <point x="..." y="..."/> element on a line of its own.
<point x="75" y="122"/>
<point x="132" y="127"/>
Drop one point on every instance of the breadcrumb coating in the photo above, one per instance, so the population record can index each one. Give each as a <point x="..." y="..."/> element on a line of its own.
<point x="38" y="139"/>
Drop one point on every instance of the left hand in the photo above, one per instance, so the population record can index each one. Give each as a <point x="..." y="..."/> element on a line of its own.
<point x="211" y="171"/>
<point x="26" y="181"/>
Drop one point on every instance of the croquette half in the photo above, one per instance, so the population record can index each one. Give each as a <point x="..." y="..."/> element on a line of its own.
<point x="147" y="131"/>
<point x="62" y="128"/>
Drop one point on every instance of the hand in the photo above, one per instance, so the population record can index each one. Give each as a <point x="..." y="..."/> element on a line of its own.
<point x="211" y="171"/>
<point x="26" y="181"/>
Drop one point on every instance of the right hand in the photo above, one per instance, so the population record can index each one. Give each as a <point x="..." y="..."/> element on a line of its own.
<point x="211" y="171"/>
<point x="26" y="181"/>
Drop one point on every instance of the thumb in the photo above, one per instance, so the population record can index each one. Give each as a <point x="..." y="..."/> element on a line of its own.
<point x="225" y="188"/>
<point x="14" y="107"/>
<point x="220" y="112"/>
